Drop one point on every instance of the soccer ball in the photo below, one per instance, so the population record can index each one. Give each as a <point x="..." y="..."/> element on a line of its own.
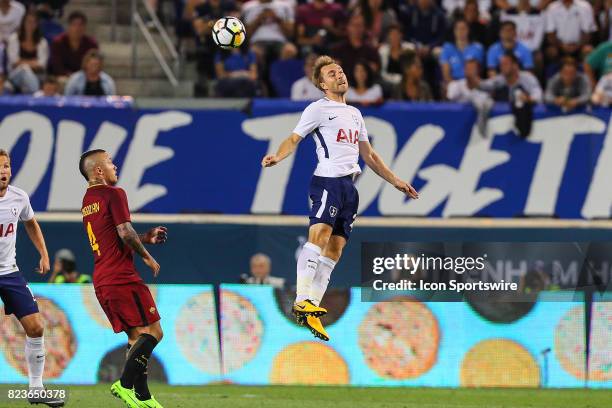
<point x="229" y="32"/>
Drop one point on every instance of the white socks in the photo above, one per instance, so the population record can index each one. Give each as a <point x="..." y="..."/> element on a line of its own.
<point x="321" y="280"/>
<point x="35" y="356"/>
<point x="306" y="269"/>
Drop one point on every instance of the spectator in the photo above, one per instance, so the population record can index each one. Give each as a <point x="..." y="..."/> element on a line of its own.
<point x="377" y="18"/>
<point x="569" y="24"/>
<point x="91" y="80"/>
<point x="236" y="73"/>
<point x="303" y="89"/>
<point x="11" y="14"/>
<point x="599" y="62"/>
<point x="48" y="25"/>
<point x="413" y="87"/>
<point x="286" y="70"/>
<point x="64" y="269"/>
<point x="453" y="8"/>
<point x="466" y="90"/>
<point x="520" y="88"/>
<point x="319" y="23"/>
<point x="356" y="48"/>
<point x="28" y="54"/>
<point x="508" y="43"/>
<point x="391" y="54"/>
<point x="603" y="91"/>
<point x="530" y="24"/>
<point x="454" y="55"/>
<point x="364" y="91"/>
<point x="69" y="48"/>
<point x="425" y="25"/>
<point x="50" y="88"/>
<point x="261" y="266"/>
<point x="270" y="25"/>
<point x="569" y="89"/>
<point x="478" y="31"/>
<point x="206" y="14"/>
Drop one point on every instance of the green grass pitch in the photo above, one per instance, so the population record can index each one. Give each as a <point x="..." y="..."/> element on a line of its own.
<point x="230" y="396"/>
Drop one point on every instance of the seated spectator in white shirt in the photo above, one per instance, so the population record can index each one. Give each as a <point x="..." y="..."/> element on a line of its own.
<point x="303" y="89"/>
<point x="530" y="23"/>
<point x="269" y="23"/>
<point x="392" y="52"/>
<point x="569" y="89"/>
<point x="261" y="266"/>
<point x="364" y="91"/>
<point x="28" y="54"/>
<point x="569" y="24"/>
<point x="603" y="91"/>
<point x="11" y="14"/>
<point x="466" y="90"/>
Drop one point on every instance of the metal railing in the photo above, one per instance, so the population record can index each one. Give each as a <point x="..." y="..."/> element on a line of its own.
<point x="170" y="65"/>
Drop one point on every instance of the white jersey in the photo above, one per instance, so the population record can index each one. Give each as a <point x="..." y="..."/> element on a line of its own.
<point x="14" y="206"/>
<point x="337" y="129"/>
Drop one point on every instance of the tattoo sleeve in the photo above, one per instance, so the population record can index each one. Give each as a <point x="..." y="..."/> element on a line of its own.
<point x="131" y="238"/>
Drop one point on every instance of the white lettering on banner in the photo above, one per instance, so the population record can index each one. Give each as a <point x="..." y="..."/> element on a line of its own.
<point x="271" y="186"/>
<point x="406" y="165"/>
<point x="384" y="139"/>
<point x="598" y="200"/>
<point x="143" y="154"/>
<point x="464" y="197"/>
<point x="68" y="148"/>
<point x="38" y="157"/>
<point x="556" y="136"/>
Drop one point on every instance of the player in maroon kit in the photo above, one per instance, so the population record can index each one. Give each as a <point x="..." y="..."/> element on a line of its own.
<point x="124" y="297"/>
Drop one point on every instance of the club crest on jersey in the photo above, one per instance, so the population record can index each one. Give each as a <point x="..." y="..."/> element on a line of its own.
<point x="14" y="211"/>
<point x="333" y="211"/>
<point x="356" y="120"/>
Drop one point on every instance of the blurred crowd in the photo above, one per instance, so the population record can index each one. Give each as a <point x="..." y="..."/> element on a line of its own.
<point x="478" y="51"/>
<point x="39" y="56"/>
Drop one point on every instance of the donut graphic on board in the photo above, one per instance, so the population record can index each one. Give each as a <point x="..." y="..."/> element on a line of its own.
<point x="399" y="338"/>
<point x="60" y="341"/>
<point x="295" y="365"/>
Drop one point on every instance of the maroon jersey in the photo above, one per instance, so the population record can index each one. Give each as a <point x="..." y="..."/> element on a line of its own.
<point x="105" y="207"/>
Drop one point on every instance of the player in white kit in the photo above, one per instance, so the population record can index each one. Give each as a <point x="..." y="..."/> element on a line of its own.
<point x="14" y="291"/>
<point x="341" y="137"/>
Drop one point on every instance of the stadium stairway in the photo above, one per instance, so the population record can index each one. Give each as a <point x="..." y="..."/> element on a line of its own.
<point x="150" y="80"/>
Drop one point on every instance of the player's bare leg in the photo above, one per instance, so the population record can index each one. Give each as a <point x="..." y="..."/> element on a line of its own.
<point x="327" y="261"/>
<point x="307" y="263"/>
<point x="141" y="342"/>
<point x="35" y="358"/>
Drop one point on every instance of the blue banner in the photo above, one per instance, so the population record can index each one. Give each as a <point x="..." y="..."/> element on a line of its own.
<point x="177" y="161"/>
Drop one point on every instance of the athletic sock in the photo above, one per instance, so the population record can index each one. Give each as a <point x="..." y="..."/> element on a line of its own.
<point x="137" y="359"/>
<point x="141" y="387"/>
<point x="306" y="269"/>
<point x="35" y="357"/>
<point x="321" y="279"/>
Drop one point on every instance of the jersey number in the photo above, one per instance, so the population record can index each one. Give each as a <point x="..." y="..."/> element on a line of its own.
<point x="92" y="239"/>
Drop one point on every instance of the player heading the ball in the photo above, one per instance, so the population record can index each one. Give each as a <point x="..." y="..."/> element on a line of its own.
<point x="341" y="137"/>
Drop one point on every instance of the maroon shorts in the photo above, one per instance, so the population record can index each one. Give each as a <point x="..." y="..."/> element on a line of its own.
<point x="127" y="305"/>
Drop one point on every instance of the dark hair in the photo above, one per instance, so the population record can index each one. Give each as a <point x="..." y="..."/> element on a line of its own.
<point x="369" y="73"/>
<point x="50" y="79"/>
<point x="84" y="157"/>
<point x="36" y="35"/>
<point x="457" y="21"/>
<point x="67" y="265"/>
<point x="506" y="23"/>
<point x="513" y="57"/>
<point x="367" y="13"/>
<point x="77" y="15"/>
<point x="569" y="61"/>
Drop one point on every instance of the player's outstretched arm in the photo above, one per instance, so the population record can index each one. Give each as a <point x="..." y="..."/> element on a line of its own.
<point x="36" y="236"/>
<point x="287" y="147"/>
<point x="131" y="238"/>
<point x="376" y="163"/>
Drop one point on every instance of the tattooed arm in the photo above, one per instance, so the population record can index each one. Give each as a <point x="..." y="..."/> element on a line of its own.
<point x="131" y="238"/>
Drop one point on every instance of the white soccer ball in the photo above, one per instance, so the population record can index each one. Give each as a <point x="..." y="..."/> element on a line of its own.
<point x="229" y="32"/>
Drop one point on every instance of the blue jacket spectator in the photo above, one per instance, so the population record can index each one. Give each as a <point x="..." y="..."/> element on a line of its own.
<point x="236" y="73"/>
<point x="508" y="43"/>
<point x="454" y="55"/>
<point x="424" y="23"/>
<point x="91" y="80"/>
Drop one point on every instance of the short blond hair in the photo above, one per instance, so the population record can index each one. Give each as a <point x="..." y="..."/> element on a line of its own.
<point x="322" y="61"/>
<point x="5" y="154"/>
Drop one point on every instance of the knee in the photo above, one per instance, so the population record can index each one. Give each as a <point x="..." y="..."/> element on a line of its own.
<point x="36" y="329"/>
<point x="333" y="252"/>
<point x="158" y="333"/>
